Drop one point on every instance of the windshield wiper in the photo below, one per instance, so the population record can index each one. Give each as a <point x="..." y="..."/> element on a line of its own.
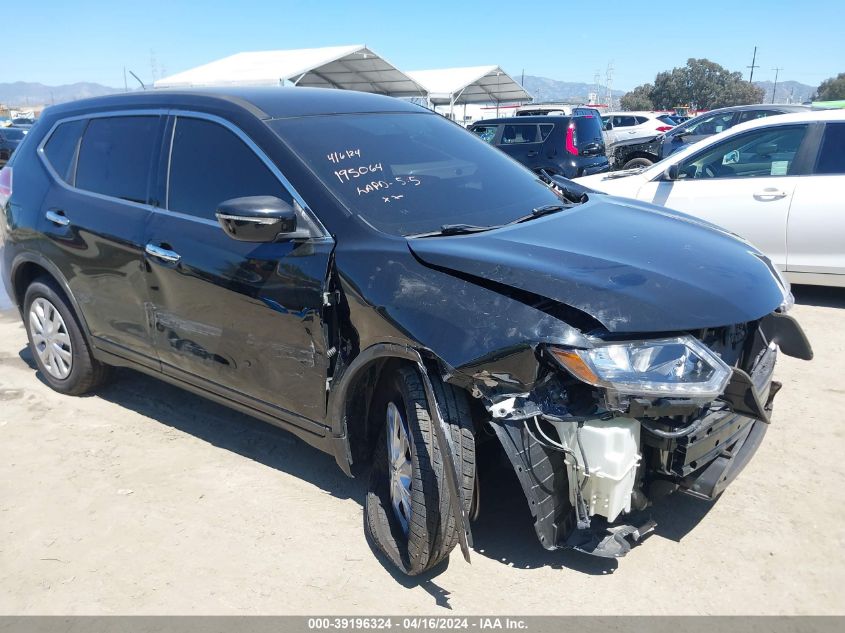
<point x="455" y="229"/>
<point x="540" y="212"/>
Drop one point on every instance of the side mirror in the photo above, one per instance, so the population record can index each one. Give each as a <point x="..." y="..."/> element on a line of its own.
<point x="256" y="218"/>
<point x="607" y="126"/>
<point x="672" y="172"/>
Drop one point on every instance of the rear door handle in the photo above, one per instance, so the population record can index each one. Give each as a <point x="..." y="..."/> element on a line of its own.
<point x="532" y="153"/>
<point x="162" y="253"/>
<point x="57" y="217"/>
<point x="770" y="193"/>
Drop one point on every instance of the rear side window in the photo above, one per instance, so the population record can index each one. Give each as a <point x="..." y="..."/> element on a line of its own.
<point x="519" y="134"/>
<point x="832" y="154"/>
<point x="60" y="149"/>
<point x="485" y="132"/>
<point x="210" y="164"/>
<point x="115" y="156"/>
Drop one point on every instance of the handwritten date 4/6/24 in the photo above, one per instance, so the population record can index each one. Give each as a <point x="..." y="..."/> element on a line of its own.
<point x="382" y="185"/>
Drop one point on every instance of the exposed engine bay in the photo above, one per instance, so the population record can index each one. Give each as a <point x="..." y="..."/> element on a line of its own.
<point x="607" y="430"/>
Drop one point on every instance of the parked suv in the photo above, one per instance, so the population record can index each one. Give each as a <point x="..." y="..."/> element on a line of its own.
<point x="10" y="137"/>
<point x="568" y="146"/>
<point x="378" y="281"/>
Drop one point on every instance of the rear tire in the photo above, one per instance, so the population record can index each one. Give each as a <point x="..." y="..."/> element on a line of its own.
<point x="415" y="529"/>
<point x="58" y="346"/>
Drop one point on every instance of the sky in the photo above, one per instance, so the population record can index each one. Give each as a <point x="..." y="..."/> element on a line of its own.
<point x="84" y="40"/>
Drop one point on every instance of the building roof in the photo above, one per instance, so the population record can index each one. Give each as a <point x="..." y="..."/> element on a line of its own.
<point x="471" y="84"/>
<point x="348" y="67"/>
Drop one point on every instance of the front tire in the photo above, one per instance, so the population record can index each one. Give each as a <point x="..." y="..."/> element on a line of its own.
<point x="408" y="507"/>
<point x="634" y="163"/>
<point x="58" y="346"/>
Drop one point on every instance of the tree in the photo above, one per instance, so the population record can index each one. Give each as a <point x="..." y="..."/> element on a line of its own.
<point x="701" y="84"/>
<point x="831" y="89"/>
<point x="638" y="99"/>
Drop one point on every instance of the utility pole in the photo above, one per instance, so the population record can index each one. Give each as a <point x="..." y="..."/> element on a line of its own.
<point x="125" y="85"/>
<point x="774" y="89"/>
<point x="609" y="86"/>
<point x="753" y="66"/>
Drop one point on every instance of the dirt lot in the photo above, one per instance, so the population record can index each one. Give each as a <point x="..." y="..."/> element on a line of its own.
<point x="147" y="500"/>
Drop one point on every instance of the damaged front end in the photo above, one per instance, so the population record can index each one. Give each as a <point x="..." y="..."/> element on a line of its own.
<point x="606" y="429"/>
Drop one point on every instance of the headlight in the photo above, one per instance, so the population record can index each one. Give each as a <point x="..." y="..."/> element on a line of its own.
<point x="680" y="366"/>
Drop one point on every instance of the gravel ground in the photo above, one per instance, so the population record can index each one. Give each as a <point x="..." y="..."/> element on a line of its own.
<point x="144" y="499"/>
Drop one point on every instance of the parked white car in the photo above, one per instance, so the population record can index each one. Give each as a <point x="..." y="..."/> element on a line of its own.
<point x="626" y="126"/>
<point x="778" y="182"/>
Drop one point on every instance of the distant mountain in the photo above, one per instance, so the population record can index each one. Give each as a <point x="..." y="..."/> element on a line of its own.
<point x="23" y="93"/>
<point x="545" y="89"/>
<point x="787" y="92"/>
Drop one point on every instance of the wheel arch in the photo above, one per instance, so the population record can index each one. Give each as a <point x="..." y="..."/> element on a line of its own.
<point x="352" y="395"/>
<point x="27" y="267"/>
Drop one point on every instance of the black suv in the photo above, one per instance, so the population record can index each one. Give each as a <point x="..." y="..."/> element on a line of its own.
<point x="371" y="277"/>
<point x="559" y="145"/>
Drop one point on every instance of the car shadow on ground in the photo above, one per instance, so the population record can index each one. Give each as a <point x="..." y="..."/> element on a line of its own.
<point x="504" y="531"/>
<point x="821" y="296"/>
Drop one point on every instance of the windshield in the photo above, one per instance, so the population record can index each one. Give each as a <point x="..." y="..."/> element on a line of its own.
<point x="409" y="173"/>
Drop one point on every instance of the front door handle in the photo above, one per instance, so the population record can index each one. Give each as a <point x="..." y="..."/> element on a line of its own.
<point x="162" y="253"/>
<point x="57" y="217"/>
<point x="770" y="193"/>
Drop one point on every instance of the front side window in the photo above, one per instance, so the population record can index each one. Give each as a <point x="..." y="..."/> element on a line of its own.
<point x="519" y="134"/>
<point x="116" y="155"/>
<point x="409" y="173"/>
<point x="61" y="147"/>
<point x="210" y="164"/>
<point x="832" y="154"/>
<point x="766" y="152"/>
<point x="711" y="124"/>
<point x="753" y="115"/>
<point x="485" y="132"/>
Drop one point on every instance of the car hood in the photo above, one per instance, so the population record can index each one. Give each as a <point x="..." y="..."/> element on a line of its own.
<point x="633" y="267"/>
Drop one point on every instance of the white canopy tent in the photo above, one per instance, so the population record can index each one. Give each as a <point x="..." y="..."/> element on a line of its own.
<point x="472" y="84"/>
<point x="346" y="67"/>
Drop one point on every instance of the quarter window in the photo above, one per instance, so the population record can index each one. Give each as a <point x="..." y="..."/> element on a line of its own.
<point x="115" y="156"/>
<point x="210" y="164"/>
<point x="832" y="154"/>
<point x="765" y="152"/>
<point x="545" y="130"/>
<point x="485" y="132"/>
<point x="60" y="150"/>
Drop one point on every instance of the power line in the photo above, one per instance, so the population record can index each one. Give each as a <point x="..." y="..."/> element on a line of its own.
<point x="775" y="87"/>
<point x="753" y="66"/>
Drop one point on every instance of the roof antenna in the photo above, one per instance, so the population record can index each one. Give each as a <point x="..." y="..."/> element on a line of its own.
<point x="143" y="87"/>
